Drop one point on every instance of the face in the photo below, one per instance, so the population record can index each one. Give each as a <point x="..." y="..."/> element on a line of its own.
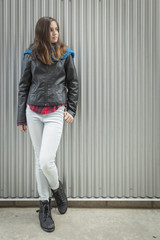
<point x="54" y="32"/>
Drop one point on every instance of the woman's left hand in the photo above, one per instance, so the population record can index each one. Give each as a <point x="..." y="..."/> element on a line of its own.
<point x="68" y="117"/>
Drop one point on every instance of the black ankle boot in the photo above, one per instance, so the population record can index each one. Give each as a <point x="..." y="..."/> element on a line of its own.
<point x="45" y="217"/>
<point x="60" y="198"/>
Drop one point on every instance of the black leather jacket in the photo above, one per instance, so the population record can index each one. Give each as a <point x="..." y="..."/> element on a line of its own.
<point x="47" y="85"/>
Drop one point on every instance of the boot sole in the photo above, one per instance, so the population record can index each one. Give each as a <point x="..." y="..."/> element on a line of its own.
<point x="58" y="209"/>
<point x="48" y="230"/>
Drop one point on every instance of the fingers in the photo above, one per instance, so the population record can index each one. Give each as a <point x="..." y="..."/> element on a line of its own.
<point x="25" y="128"/>
<point x="68" y="117"/>
<point x="22" y="128"/>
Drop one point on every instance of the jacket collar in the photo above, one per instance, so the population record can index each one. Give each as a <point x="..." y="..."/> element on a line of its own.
<point x="67" y="53"/>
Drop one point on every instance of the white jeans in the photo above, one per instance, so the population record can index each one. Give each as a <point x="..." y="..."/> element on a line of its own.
<point x="45" y="132"/>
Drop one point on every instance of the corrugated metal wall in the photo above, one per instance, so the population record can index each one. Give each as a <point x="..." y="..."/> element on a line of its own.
<point x="112" y="149"/>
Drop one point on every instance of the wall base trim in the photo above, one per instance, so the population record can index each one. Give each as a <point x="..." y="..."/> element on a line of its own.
<point x="88" y="199"/>
<point x="87" y="202"/>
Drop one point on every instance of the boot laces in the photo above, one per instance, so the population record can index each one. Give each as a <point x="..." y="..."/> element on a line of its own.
<point x="45" y="210"/>
<point x="60" y="197"/>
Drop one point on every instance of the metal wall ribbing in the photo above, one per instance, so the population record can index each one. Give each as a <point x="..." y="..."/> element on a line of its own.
<point x="112" y="150"/>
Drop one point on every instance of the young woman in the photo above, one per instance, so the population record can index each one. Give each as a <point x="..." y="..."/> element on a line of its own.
<point x="48" y="96"/>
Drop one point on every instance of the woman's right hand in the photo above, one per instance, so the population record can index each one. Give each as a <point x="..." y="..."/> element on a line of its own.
<point x="22" y="128"/>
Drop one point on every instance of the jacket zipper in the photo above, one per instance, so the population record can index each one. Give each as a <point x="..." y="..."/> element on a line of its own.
<point x="46" y="87"/>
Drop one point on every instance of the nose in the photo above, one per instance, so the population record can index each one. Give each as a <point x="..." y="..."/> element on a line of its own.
<point x="54" y="31"/>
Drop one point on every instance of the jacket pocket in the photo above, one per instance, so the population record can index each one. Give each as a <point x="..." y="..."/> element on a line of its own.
<point x="58" y="94"/>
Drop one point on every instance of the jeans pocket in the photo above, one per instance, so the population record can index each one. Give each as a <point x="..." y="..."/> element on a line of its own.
<point x="62" y="108"/>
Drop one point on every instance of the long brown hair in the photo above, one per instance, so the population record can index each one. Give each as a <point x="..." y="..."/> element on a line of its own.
<point x="42" y="45"/>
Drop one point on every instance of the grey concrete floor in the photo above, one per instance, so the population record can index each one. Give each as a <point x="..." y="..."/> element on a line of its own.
<point x="82" y="224"/>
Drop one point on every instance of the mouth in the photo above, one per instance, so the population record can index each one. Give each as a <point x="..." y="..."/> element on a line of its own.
<point x="54" y="39"/>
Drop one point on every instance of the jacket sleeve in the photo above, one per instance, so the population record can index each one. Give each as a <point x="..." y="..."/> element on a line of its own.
<point x="24" y="86"/>
<point x="72" y="85"/>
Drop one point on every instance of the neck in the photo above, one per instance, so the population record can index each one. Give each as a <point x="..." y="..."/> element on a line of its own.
<point x="53" y="44"/>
